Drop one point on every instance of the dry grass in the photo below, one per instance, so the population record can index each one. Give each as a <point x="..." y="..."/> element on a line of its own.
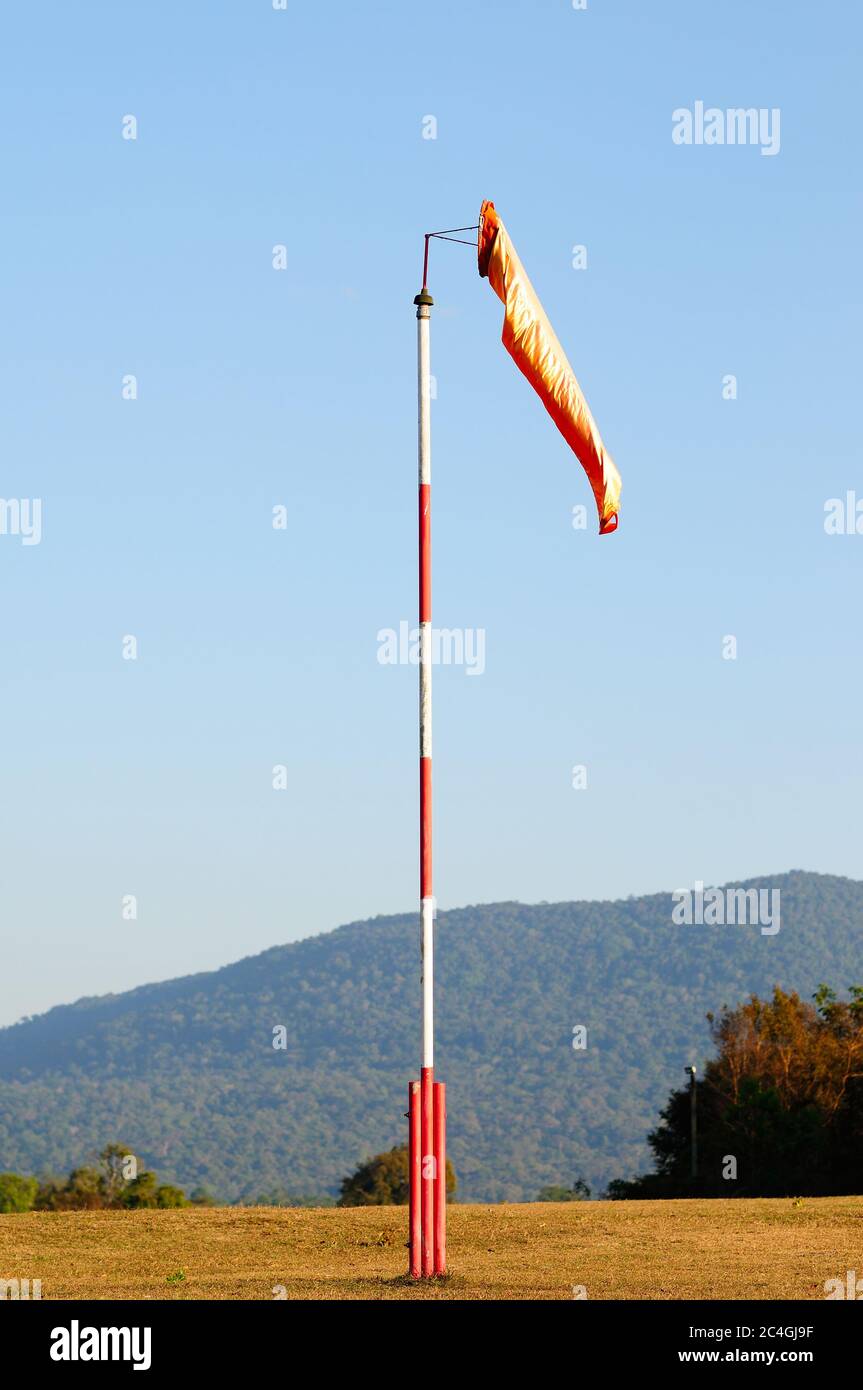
<point x="642" y="1250"/>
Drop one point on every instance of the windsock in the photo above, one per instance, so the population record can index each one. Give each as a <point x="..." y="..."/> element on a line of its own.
<point x="532" y="344"/>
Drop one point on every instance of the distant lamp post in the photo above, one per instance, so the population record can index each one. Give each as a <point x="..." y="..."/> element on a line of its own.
<point x="693" y="1131"/>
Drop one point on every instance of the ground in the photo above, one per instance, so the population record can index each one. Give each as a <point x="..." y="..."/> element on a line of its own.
<point x="761" y="1248"/>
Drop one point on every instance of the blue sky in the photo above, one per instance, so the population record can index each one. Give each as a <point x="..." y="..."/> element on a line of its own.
<point x="259" y="387"/>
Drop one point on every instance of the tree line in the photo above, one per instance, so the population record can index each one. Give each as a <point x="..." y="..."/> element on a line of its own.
<point x="779" y="1112"/>
<point x="113" y="1185"/>
<point x="779" y="1109"/>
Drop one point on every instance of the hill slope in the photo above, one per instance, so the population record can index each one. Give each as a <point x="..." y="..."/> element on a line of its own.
<point x="186" y="1074"/>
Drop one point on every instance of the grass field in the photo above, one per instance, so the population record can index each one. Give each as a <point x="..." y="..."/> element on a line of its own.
<point x="762" y="1248"/>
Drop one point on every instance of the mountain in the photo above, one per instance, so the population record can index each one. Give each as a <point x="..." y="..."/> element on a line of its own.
<point x="185" y="1072"/>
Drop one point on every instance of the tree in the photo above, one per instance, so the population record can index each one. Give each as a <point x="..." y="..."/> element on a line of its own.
<point x="384" y="1181"/>
<point x="91" y="1189"/>
<point x="17" y="1193"/>
<point x="82" y="1191"/>
<point x="579" y="1192"/>
<point x="780" y="1107"/>
<point x="114" y="1159"/>
<point x="141" y="1192"/>
<point x="201" y="1197"/>
<point x="167" y="1195"/>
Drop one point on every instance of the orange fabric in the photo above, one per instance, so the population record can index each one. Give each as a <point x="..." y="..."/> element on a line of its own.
<point x="531" y="343"/>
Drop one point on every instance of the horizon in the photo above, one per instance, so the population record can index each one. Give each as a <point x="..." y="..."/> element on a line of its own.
<point x="762" y="880"/>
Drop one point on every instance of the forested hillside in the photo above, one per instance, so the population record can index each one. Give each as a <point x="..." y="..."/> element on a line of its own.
<point x="185" y="1072"/>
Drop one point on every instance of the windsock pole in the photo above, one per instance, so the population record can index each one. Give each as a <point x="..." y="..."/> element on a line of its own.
<point x="424" y="1199"/>
<point x="427" y="1110"/>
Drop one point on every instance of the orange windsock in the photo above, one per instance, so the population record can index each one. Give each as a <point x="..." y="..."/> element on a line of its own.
<point x="531" y="343"/>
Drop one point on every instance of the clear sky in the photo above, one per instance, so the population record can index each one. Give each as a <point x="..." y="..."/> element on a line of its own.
<point x="259" y="387"/>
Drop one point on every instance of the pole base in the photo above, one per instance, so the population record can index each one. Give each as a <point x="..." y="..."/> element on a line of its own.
<point x="427" y="1176"/>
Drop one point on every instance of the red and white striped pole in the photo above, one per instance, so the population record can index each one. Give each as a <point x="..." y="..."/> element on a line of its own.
<point x="430" y="1258"/>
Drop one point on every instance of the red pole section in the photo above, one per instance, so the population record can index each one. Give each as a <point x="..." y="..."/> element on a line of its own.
<point x="414" y="1171"/>
<point x="440" y="1178"/>
<point x="428" y="1172"/>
